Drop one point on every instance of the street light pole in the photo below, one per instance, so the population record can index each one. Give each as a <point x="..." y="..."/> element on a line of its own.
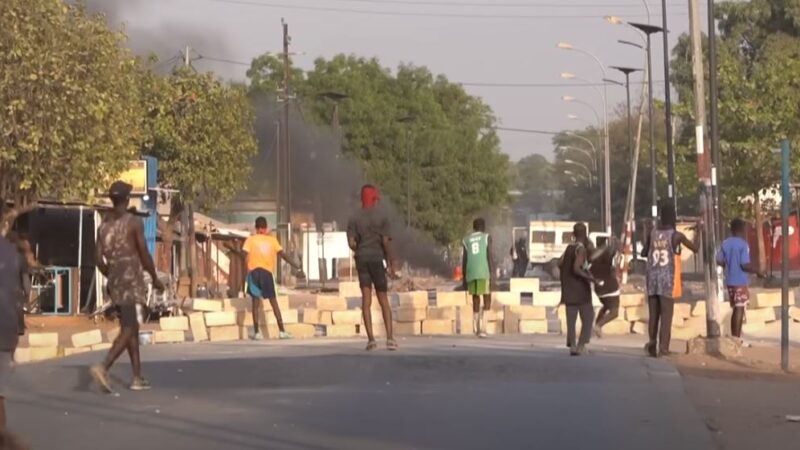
<point x="607" y="149"/>
<point x="648" y="30"/>
<point x="714" y="124"/>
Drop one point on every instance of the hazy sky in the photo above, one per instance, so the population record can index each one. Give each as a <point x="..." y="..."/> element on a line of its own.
<point x="470" y="41"/>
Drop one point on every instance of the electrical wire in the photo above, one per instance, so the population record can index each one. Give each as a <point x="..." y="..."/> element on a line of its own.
<point x="428" y="14"/>
<point x="501" y="5"/>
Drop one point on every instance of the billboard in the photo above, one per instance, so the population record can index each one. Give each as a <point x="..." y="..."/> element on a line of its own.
<point x="136" y="176"/>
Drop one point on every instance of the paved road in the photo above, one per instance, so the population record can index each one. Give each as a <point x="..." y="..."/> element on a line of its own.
<point x="502" y="393"/>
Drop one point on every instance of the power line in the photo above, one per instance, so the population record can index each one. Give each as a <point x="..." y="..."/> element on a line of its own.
<point x="498" y="5"/>
<point x="226" y="61"/>
<point x="428" y="14"/>
<point x="526" y="130"/>
<point x="537" y="85"/>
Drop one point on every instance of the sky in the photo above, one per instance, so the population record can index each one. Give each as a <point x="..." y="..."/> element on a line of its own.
<point x="470" y="41"/>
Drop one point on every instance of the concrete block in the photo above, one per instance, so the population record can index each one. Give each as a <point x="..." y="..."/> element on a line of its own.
<point x="309" y="315"/>
<point x="698" y="323"/>
<point x="724" y="346"/>
<point x="753" y="327"/>
<point x="349" y="317"/>
<point x="794" y="313"/>
<point x="169" y="336"/>
<point x="463" y="322"/>
<point x="237" y="304"/>
<point x="525" y="312"/>
<point x="346" y="330"/>
<point x="511" y="323"/>
<point x="699" y="308"/>
<point x="288" y="316"/>
<point x="683" y="310"/>
<point x="416" y="299"/>
<point x="112" y="334"/>
<point x="43" y="339"/>
<point x="69" y="351"/>
<point x="754" y="315"/>
<point x="532" y="326"/>
<point x="438" y="327"/>
<point x="547" y="298"/>
<point x="507" y="298"/>
<point x="33" y="354"/>
<point x="197" y="325"/>
<point x="174" y="323"/>
<point x="640" y="328"/>
<point x="524" y="285"/>
<point x="637" y="313"/>
<point x="635" y="299"/>
<point x="87" y="338"/>
<point x="102" y="347"/>
<point x="349" y="289"/>
<point x="494" y="327"/>
<point x="442" y="313"/>
<point x="453" y="298"/>
<point x="326" y="318"/>
<point x="684" y="333"/>
<point x="283" y="303"/>
<point x="408" y="328"/>
<point x="205" y="305"/>
<point x="768" y="298"/>
<point x="300" y="330"/>
<point x="331" y="303"/>
<point x="408" y="314"/>
<point x="220" y="319"/>
<point x="617" y="327"/>
<point x="224" y="333"/>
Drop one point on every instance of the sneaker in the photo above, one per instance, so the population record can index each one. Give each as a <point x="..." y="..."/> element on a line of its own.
<point x="257" y="336"/>
<point x="371" y="345"/>
<point x="284" y="335"/>
<point x="483" y="335"/>
<point x="140" y="384"/>
<point x="101" y="378"/>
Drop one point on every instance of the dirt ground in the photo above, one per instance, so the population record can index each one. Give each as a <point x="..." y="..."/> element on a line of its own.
<point x="745" y="403"/>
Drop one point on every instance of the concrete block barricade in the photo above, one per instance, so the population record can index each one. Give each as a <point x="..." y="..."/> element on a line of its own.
<point x="442" y="313"/>
<point x="326" y="318"/>
<point x="617" y="327"/>
<point x="33" y="354"/>
<point x="69" y="351"/>
<point x="350" y="317"/>
<point x="416" y="299"/>
<point x="237" y="304"/>
<point x="699" y="308"/>
<point x="637" y="313"/>
<point x="224" y="333"/>
<point x="527" y="312"/>
<point x="532" y="326"/>
<point x="768" y="298"/>
<point x="178" y="323"/>
<point x="205" y="305"/>
<point x="524" y="285"/>
<point x="101" y="347"/>
<point x="634" y="299"/>
<point x="43" y="339"/>
<point x="348" y="330"/>
<point x="547" y="298"/>
<point x="451" y="298"/>
<point x="507" y="298"/>
<point x="794" y="313"/>
<point x="760" y="315"/>
<point x="197" y="325"/>
<point x="410" y="314"/>
<point x="222" y="318"/>
<point x="438" y="327"/>
<point x="297" y="330"/>
<point x="408" y="328"/>
<point x="169" y="336"/>
<point x="331" y="303"/>
<point x="640" y="328"/>
<point x="87" y="338"/>
<point x="349" y="289"/>
<point x="683" y="310"/>
<point x="309" y="315"/>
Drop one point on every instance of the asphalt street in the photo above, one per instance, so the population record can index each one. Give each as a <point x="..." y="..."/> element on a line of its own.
<point x="435" y="393"/>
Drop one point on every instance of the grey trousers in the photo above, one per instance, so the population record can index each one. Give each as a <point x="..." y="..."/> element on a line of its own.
<point x="586" y="312"/>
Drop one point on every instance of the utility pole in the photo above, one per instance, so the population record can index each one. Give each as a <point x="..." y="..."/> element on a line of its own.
<point x="704" y="175"/>
<point x="671" y="194"/>
<point x="283" y="161"/>
<point x="188" y="226"/>
<point x="714" y="122"/>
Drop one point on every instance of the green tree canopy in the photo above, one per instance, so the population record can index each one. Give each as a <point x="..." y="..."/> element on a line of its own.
<point x="70" y="104"/>
<point x="393" y="120"/>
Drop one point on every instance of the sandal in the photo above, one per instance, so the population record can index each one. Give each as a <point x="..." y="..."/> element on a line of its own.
<point x="391" y="344"/>
<point x="371" y="345"/>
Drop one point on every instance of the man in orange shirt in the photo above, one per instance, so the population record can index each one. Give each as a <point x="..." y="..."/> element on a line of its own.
<point x="261" y="252"/>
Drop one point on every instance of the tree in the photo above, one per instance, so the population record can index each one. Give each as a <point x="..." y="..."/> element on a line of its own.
<point x="201" y="132"/>
<point x="447" y="138"/>
<point x="535" y="178"/>
<point x="70" y="104"/>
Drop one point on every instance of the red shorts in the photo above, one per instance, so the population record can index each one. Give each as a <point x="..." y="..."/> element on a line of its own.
<point x="738" y="296"/>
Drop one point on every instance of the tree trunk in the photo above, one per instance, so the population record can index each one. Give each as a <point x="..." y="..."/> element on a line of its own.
<point x="759" y="215"/>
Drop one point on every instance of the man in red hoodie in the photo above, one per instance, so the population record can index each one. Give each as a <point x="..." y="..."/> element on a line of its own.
<point x="368" y="236"/>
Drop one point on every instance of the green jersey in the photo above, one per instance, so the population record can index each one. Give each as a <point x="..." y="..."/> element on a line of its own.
<point x="476" y="246"/>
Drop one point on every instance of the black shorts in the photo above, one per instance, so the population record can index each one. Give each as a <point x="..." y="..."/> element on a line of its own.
<point x="372" y="273"/>
<point x="610" y="303"/>
<point x="261" y="284"/>
<point x="128" y="317"/>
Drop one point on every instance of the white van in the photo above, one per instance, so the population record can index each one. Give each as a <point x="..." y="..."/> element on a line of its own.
<point x="547" y="241"/>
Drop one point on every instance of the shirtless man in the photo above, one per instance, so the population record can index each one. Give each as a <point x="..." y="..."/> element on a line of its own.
<point x="122" y="257"/>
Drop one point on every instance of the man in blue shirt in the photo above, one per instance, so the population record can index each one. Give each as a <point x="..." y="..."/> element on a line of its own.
<point x="734" y="256"/>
